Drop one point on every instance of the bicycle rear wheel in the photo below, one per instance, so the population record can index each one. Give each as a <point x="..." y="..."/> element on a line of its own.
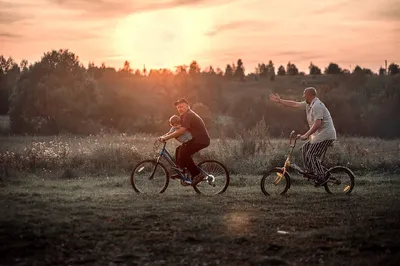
<point x="340" y="180"/>
<point x="274" y="182"/>
<point x="149" y="177"/>
<point x="217" y="179"/>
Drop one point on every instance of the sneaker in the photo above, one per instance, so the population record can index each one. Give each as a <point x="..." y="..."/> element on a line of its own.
<point x="185" y="182"/>
<point x="197" y="179"/>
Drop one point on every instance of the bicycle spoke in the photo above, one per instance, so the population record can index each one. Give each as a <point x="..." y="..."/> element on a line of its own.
<point x="149" y="177"/>
<point x="340" y="180"/>
<point x="216" y="181"/>
<point x="274" y="182"/>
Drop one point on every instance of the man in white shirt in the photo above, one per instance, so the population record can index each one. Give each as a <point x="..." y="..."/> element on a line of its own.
<point x="321" y="134"/>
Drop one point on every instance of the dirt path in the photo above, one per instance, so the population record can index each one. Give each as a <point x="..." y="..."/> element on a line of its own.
<point x="102" y="222"/>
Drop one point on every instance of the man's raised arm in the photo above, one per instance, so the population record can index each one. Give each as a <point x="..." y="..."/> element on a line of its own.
<point x="289" y="103"/>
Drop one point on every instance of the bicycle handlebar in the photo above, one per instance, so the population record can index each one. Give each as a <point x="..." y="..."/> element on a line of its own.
<point x="291" y="138"/>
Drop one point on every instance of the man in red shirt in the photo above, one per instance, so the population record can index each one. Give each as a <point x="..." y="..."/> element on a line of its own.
<point x="193" y="123"/>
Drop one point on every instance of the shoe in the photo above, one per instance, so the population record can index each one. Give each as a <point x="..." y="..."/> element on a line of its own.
<point x="197" y="179"/>
<point x="185" y="183"/>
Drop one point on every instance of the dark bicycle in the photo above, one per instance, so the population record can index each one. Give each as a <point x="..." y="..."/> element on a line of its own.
<point x="338" y="179"/>
<point x="152" y="176"/>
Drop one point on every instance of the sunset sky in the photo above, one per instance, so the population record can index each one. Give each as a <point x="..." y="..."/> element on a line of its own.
<point x="167" y="33"/>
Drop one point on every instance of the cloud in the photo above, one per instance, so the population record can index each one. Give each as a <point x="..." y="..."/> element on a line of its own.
<point x="298" y="56"/>
<point x="334" y="7"/>
<point x="6" y="35"/>
<point x="69" y="35"/>
<point x="116" y="8"/>
<point x="389" y="13"/>
<point x="10" y="17"/>
<point x="244" y="24"/>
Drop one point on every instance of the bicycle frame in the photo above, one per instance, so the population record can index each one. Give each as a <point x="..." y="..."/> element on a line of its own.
<point x="165" y="154"/>
<point x="287" y="161"/>
<point x="292" y="143"/>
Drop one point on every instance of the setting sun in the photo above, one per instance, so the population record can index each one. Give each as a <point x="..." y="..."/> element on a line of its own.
<point x="162" y="39"/>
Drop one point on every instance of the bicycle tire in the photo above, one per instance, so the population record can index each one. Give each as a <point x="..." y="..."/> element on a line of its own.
<point x="154" y="162"/>
<point x="199" y="189"/>
<point x="349" y="188"/>
<point x="272" y="171"/>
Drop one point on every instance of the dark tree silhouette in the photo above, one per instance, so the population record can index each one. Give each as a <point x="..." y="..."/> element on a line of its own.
<point x="194" y="68"/>
<point x="368" y="72"/>
<point x="9" y="73"/>
<point x="314" y="70"/>
<point x="291" y="69"/>
<point x="393" y="69"/>
<point x="333" y="68"/>
<point x="126" y="68"/>
<point x="239" y="71"/>
<point x="281" y="71"/>
<point x="358" y="70"/>
<point x="228" y="71"/>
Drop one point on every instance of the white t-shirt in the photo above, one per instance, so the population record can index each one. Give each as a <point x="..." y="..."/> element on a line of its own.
<point x="185" y="137"/>
<point x="317" y="110"/>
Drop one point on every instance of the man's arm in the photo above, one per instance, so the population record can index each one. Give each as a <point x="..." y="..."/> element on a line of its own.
<point x="175" y="134"/>
<point x="317" y="124"/>
<point x="318" y="114"/>
<point x="289" y="103"/>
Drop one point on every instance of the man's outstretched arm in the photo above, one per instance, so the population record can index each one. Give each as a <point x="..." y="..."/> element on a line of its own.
<point x="289" y="103"/>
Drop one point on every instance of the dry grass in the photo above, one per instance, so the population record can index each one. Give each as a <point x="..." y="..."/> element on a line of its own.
<point x="4" y="124"/>
<point x="68" y="201"/>
<point x="251" y="152"/>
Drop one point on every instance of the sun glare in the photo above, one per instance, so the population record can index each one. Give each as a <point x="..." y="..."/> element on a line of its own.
<point x="163" y="39"/>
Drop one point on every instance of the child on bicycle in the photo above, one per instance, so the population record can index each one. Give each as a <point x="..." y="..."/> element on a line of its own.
<point x="175" y="122"/>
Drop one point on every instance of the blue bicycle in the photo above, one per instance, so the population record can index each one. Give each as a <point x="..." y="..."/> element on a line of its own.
<point x="152" y="175"/>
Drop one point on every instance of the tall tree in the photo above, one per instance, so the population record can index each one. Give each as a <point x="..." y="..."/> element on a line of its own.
<point x="291" y="69"/>
<point x="314" y="70"/>
<point x="358" y="70"/>
<point x="281" y="71"/>
<point x="127" y="67"/>
<point x="262" y="70"/>
<point x="239" y="71"/>
<point x="56" y="92"/>
<point x="228" y="71"/>
<point x="194" y="68"/>
<point x="9" y="73"/>
<point x="382" y="71"/>
<point x="367" y="71"/>
<point x="333" y="69"/>
<point x="393" y="69"/>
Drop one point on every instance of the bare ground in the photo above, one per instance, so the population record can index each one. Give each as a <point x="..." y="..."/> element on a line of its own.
<point x="103" y="222"/>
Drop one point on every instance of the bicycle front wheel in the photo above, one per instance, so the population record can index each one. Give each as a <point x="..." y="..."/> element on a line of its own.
<point x="149" y="177"/>
<point x="340" y="180"/>
<point x="274" y="182"/>
<point x="217" y="179"/>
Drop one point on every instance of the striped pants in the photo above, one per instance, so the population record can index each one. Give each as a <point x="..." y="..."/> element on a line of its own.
<point x="312" y="154"/>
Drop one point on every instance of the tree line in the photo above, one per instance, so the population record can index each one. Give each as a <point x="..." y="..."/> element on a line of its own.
<point x="58" y="94"/>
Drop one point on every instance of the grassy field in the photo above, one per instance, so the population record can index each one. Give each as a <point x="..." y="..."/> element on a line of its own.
<point x="4" y="124"/>
<point x="67" y="200"/>
<point x="251" y="152"/>
<point x="101" y="221"/>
